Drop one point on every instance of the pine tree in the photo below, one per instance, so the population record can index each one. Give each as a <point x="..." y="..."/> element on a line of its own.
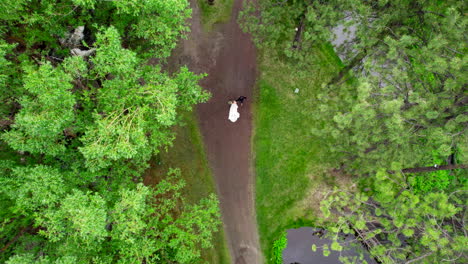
<point x="397" y="105"/>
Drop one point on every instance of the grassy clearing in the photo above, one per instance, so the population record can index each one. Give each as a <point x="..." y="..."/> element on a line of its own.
<point x="219" y="12"/>
<point x="188" y="154"/>
<point x="289" y="161"/>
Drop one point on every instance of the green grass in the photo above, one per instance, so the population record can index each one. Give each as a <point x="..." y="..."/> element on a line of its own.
<point x="188" y="154"/>
<point x="289" y="160"/>
<point x="219" y="12"/>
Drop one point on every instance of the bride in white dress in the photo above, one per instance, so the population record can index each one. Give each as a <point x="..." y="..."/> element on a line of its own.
<point x="233" y="113"/>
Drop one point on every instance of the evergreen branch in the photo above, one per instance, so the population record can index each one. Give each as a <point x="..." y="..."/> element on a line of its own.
<point x="280" y="3"/>
<point x="453" y="50"/>
<point x="420" y="257"/>
<point x="453" y="259"/>
<point x="430" y="12"/>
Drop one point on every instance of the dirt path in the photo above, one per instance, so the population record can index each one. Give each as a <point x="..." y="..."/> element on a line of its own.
<point x="229" y="58"/>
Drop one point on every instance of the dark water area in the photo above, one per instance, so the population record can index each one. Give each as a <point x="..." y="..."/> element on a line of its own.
<point x="299" y="249"/>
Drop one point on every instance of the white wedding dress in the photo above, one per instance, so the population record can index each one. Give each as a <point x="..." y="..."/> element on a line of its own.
<point x="233" y="114"/>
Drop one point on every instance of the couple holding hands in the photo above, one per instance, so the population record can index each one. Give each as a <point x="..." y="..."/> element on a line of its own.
<point x="233" y="113"/>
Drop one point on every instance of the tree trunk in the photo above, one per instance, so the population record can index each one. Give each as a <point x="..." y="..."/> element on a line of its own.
<point x="434" y="168"/>
<point x="357" y="59"/>
<point x="20" y="234"/>
<point x="297" y="37"/>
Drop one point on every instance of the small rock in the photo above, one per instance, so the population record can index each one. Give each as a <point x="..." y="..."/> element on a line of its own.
<point x="82" y="53"/>
<point x="296" y="91"/>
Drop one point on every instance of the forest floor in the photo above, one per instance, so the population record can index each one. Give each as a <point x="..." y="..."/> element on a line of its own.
<point x="228" y="56"/>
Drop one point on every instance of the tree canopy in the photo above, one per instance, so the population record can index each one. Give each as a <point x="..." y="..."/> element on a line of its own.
<point x="82" y="111"/>
<point x="398" y="104"/>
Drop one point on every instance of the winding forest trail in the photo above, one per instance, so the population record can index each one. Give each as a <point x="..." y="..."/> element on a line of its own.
<point x="229" y="58"/>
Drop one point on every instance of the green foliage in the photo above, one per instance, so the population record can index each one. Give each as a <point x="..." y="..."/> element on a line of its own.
<point x="427" y="182"/>
<point x="45" y="113"/>
<point x="408" y="225"/>
<point x="325" y="250"/>
<point x="128" y="111"/>
<point x="29" y="259"/>
<point x="407" y="99"/>
<point x="111" y="58"/>
<point x="275" y="28"/>
<point x="161" y="23"/>
<point x="187" y="153"/>
<point x="335" y="245"/>
<point x="11" y="9"/>
<point x="404" y="100"/>
<point x="76" y="133"/>
<point x="5" y="48"/>
<point x="33" y="188"/>
<point x="178" y="236"/>
<point x="278" y="246"/>
<point x="81" y="217"/>
<point x="155" y="25"/>
<point x="141" y="225"/>
<point x="441" y="180"/>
